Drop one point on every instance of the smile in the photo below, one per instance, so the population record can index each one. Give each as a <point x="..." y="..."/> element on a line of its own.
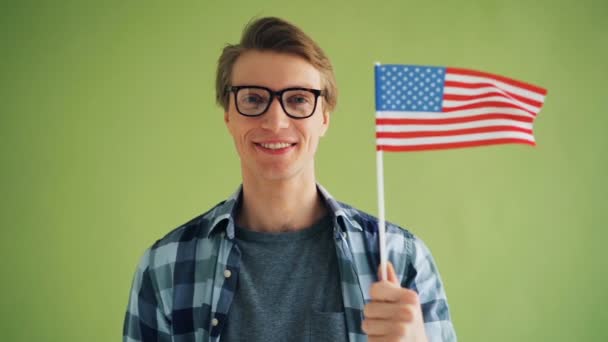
<point x="275" y="146"/>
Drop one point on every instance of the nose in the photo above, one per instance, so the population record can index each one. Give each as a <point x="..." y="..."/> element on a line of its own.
<point x="275" y="118"/>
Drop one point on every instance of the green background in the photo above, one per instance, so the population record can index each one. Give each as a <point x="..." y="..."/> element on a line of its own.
<point x="109" y="138"/>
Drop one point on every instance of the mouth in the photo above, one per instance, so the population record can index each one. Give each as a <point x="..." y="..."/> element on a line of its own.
<point x="275" y="147"/>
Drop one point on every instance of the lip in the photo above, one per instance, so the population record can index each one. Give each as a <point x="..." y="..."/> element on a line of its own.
<point x="279" y="151"/>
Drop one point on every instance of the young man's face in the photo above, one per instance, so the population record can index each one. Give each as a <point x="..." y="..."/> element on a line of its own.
<point x="274" y="146"/>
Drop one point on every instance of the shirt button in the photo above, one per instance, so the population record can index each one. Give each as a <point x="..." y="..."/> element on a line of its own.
<point x="227" y="273"/>
<point x="215" y="322"/>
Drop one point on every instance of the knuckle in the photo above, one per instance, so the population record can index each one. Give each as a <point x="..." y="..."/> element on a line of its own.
<point x="410" y="296"/>
<point x="400" y="329"/>
<point x="406" y="312"/>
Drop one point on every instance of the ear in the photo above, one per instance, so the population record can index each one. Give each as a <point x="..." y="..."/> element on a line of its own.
<point x="325" y="124"/>
<point x="227" y="122"/>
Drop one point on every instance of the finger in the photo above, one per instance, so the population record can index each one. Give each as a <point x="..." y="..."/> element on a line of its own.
<point x="390" y="311"/>
<point x="381" y="327"/>
<point x="390" y="273"/>
<point x="388" y="292"/>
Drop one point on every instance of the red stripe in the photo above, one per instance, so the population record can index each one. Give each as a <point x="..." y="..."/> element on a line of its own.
<point x="485" y="104"/>
<point x="509" y="96"/>
<point x="425" y="134"/>
<point x="471" y="118"/>
<point x="453" y="145"/>
<point x="515" y="83"/>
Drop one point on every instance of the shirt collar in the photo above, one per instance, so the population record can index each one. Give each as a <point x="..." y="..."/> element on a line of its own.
<point x="223" y="216"/>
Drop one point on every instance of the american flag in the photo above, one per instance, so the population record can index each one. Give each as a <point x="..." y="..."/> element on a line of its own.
<point x="430" y="108"/>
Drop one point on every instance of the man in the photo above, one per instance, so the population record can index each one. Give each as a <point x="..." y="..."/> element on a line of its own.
<point x="281" y="260"/>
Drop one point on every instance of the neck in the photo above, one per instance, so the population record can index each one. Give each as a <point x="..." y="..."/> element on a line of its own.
<point x="279" y="206"/>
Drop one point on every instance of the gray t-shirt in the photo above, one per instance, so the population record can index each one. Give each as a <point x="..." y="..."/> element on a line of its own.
<point x="288" y="287"/>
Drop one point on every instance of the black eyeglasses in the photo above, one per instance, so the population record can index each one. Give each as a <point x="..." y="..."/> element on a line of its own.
<point x="297" y="103"/>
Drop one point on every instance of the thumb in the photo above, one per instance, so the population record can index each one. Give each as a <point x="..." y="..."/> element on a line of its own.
<point x="390" y="273"/>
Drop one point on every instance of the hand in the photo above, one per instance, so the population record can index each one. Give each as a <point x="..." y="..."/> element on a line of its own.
<point x="394" y="314"/>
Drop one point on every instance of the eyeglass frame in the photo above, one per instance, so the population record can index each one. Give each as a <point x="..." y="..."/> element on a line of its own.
<point x="278" y="95"/>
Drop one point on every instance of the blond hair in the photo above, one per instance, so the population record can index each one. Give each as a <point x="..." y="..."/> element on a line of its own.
<point x="275" y="35"/>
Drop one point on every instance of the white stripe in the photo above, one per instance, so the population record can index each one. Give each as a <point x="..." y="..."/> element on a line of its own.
<point x="471" y="92"/>
<point x="481" y="91"/>
<point x="456" y="114"/>
<point x="449" y="127"/>
<point x="510" y="88"/>
<point x="452" y="139"/>
<point x="511" y="101"/>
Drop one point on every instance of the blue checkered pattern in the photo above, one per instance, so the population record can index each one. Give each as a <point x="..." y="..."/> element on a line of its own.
<point x="180" y="291"/>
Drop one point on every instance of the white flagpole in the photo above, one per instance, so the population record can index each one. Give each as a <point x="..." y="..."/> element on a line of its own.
<point x="381" y="220"/>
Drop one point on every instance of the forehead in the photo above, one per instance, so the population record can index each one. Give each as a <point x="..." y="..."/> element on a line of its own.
<point x="274" y="70"/>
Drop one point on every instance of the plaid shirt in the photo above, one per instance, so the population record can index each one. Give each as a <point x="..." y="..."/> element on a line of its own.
<point x="185" y="283"/>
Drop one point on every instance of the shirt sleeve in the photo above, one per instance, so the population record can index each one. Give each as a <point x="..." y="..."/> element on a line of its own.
<point x="144" y="320"/>
<point x="423" y="277"/>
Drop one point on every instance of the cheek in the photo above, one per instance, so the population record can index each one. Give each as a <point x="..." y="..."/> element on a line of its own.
<point x="315" y="132"/>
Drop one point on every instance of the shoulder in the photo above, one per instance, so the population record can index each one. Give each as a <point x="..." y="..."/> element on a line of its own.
<point x="356" y="219"/>
<point x="183" y="240"/>
<point x="407" y="252"/>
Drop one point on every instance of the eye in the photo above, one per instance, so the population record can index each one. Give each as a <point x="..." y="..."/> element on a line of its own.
<point x="252" y="99"/>
<point x="299" y="99"/>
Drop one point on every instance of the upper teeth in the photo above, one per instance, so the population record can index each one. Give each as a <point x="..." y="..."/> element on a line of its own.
<point x="275" y="146"/>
